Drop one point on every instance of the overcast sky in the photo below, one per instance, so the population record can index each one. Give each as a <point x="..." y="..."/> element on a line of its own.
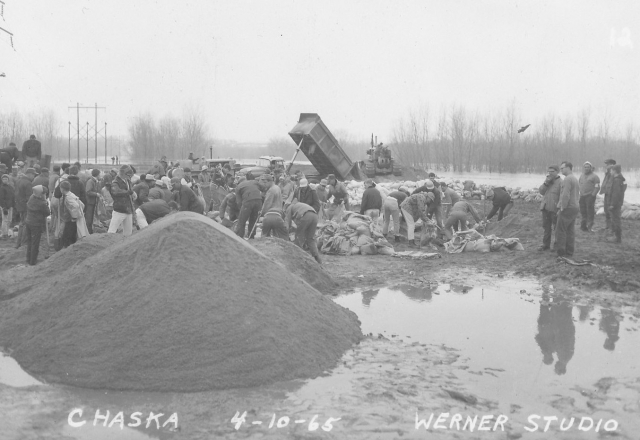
<point x="253" y="66"/>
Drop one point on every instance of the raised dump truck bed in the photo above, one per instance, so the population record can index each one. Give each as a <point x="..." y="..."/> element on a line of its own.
<point x="322" y="149"/>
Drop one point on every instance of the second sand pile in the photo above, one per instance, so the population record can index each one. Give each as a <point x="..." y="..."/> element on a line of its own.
<point x="181" y="306"/>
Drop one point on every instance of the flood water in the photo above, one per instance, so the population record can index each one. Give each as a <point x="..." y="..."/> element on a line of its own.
<point x="517" y="347"/>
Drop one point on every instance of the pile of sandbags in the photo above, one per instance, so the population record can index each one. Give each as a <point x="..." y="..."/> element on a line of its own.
<point x="630" y="211"/>
<point x="355" y="234"/>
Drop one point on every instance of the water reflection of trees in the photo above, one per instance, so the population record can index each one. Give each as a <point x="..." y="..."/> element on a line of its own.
<point x="610" y="324"/>
<point x="556" y="333"/>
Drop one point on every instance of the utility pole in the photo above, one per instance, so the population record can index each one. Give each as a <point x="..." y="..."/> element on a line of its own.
<point x="105" y="143"/>
<point x="95" y="108"/>
<point x="87" y="158"/>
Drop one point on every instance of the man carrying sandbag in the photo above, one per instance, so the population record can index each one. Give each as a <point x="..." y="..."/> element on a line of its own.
<point x="414" y="207"/>
<point x="458" y="217"/>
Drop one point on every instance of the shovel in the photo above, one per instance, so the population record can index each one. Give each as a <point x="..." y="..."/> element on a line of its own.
<point x="47" y="228"/>
<point x="254" y="225"/>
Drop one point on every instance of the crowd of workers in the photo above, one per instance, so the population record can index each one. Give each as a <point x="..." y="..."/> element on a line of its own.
<point x="29" y="194"/>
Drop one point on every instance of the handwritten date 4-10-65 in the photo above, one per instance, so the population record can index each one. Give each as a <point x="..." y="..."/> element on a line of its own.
<point x="285" y="421"/>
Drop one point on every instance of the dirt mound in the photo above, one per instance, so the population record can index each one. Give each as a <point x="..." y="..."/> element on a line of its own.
<point x="184" y="305"/>
<point x="296" y="261"/>
<point x="19" y="280"/>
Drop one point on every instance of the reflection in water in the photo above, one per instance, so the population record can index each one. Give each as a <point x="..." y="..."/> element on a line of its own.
<point x="459" y="288"/>
<point x="584" y="312"/>
<point x="368" y="295"/>
<point x="416" y="293"/>
<point x="610" y="324"/>
<point x="556" y="333"/>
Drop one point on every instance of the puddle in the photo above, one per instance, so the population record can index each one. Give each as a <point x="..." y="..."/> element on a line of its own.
<point x="519" y="345"/>
<point x="12" y="374"/>
<point x="520" y="349"/>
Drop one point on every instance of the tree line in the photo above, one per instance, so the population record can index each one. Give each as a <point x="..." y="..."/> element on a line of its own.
<point x="461" y="140"/>
<point x="455" y="138"/>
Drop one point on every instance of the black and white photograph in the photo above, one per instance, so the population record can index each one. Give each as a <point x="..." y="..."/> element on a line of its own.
<point x="356" y="219"/>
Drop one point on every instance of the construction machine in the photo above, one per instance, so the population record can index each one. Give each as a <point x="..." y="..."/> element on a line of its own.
<point x="380" y="160"/>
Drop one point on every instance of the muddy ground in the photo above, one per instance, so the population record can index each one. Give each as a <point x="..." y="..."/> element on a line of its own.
<point x="380" y="384"/>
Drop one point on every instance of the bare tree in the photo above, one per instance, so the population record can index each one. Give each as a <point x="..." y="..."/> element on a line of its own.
<point x="194" y="133"/>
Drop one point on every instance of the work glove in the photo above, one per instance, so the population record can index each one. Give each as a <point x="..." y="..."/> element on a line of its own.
<point x="134" y="196"/>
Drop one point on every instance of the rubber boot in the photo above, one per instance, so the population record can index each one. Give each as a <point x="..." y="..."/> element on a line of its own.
<point x="318" y="259"/>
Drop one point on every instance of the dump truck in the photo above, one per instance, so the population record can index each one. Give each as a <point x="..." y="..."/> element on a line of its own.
<point x="322" y="149"/>
<point x="380" y="161"/>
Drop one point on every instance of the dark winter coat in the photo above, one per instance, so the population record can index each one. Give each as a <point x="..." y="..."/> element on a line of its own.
<point x="41" y="179"/>
<point x="121" y="192"/>
<point x="308" y="196"/>
<point x="155" y="209"/>
<point x="32" y="148"/>
<point x="606" y="184"/>
<point x="23" y="192"/>
<point x="501" y="197"/>
<point x="92" y="191"/>
<point x="618" y="187"/>
<point x="371" y="199"/>
<point x="37" y="211"/>
<point x="187" y="200"/>
<point x="7" y="196"/>
<point x="77" y="188"/>
<point x="142" y="191"/>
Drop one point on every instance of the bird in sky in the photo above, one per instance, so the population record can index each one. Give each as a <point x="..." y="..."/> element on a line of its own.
<point x="3" y="74"/>
<point x="523" y="128"/>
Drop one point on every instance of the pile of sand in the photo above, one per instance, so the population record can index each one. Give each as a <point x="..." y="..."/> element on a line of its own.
<point x="184" y="305"/>
<point x="296" y="261"/>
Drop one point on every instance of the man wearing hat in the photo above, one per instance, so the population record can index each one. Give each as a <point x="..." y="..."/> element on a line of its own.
<point x="413" y="208"/>
<point x="436" y="207"/>
<point x="156" y="193"/>
<point x="305" y="194"/>
<point x="606" y="191"/>
<point x="36" y="222"/>
<point x="7" y="203"/>
<point x="371" y="201"/>
<point x="122" y="194"/>
<point x="92" y="194"/>
<point x="24" y="190"/>
<point x="272" y="209"/>
<point x="589" y="186"/>
<point x="550" y="190"/>
<point x="31" y="151"/>
<point x="338" y="191"/>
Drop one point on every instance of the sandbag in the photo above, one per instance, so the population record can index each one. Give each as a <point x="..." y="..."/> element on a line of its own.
<point x="483" y="246"/>
<point x="355" y="250"/>
<point x="369" y="249"/>
<point x="363" y="240"/>
<point x="385" y="250"/>
<point x="470" y="246"/>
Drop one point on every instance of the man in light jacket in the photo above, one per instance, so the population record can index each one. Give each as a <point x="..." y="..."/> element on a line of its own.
<point x="569" y="209"/>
